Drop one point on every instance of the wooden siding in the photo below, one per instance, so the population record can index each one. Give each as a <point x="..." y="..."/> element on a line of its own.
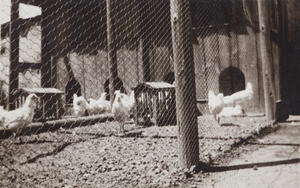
<point x="216" y="47"/>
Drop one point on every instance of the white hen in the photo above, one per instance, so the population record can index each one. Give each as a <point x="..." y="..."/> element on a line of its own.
<point x="105" y="103"/>
<point x="21" y="117"/>
<point x="79" y="105"/>
<point x="215" y="104"/>
<point x="239" y="97"/>
<point x="122" y="107"/>
<point x="92" y="106"/>
<point x="99" y="106"/>
<point x="236" y="111"/>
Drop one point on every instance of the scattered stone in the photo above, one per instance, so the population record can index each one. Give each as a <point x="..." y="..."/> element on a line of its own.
<point x="157" y="171"/>
<point x="187" y="174"/>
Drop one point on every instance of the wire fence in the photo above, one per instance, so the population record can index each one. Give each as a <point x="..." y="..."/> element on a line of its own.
<point x="64" y="58"/>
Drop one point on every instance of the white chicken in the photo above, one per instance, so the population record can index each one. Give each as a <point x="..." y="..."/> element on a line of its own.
<point x="79" y="105"/>
<point x="122" y="107"/>
<point x="99" y="106"/>
<point x="236" y="111"/>
<point x="16" y="119"/>
<point x="215" y="104"/>
<point x="83" y="107"/>
<point x="239" y="97"/>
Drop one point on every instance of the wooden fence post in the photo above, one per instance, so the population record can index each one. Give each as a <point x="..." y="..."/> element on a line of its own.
<point x="264" y="39"/>
<point x="185" y="83"/>
<point x="112" y="50"/>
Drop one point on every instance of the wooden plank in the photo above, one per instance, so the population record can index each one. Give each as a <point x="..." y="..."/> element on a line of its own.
<point x="202" y="101"/>
<point x="14" y="35"/>
<point x="248" y="65"/>
<point x="22" y="67"/>
<point x="112" y="49"/>
<point x="146" y="42"/>
<point x="264" y="37"/>
<point x="275" y="69"/>
<point x="211" y="46"/>
<point x="233" y="49"/>
<point x="224" y="52"/>
<point x="200" y="68"/>
<point x="54" y="71"/>
<point x="46" y="49"/>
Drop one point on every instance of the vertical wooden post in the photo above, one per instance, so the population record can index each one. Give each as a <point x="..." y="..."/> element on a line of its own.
<point x="185" y="83"/>
<point x="112" y="49"/>
<point x="14" y="34"/>
<point x="46" y="49"/>
<point x="146" y="42"/>
<point x="264" y="39"/>
<point x="54" y="61"/>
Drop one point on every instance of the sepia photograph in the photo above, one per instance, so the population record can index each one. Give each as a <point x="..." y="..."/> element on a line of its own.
<point x="150" y="93"/>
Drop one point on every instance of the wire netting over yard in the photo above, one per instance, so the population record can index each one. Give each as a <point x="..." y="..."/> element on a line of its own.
<point x="104" y="73"/>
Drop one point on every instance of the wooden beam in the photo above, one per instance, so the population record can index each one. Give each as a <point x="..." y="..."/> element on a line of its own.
<point x="264" y="43"/>
<point x="146" y="41"/>
<point x="112" y="49"/>
<point x="14" y="34"/>
<point x="22" y="67"/>
<point x="46" y="49"/>
<point x="283" y="30"/>
<point x="185" y="83"/>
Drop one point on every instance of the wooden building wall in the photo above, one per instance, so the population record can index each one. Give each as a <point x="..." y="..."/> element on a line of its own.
<point x="225" y="35"/>
<point x="215" y="49"/>
<point x="228" y="43"/>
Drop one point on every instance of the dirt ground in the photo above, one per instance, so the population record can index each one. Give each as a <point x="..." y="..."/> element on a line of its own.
<point x="271" y="160"/>
<point x="94" y="156"/>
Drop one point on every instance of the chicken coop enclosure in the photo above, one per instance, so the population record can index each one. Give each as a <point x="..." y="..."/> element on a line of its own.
<point x="91" y="47"/>
<point x="49" y="106"/>
<point x="155" y="103"/>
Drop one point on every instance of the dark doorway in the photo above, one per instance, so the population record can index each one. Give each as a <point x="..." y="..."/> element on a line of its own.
<point x="231" y="80"/>
<point x="170" y="78"/>
<point x="119" y="86"/>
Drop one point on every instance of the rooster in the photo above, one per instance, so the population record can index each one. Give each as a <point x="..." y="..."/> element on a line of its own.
<point x="236" y="111"/>
<point x="239" y="97"/>
<point x="215" y="104"/>
<point x="122" y="107"/>
<point x="16" y="119"/>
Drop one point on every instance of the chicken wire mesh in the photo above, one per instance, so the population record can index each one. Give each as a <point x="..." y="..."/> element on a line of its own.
<point x="63" y="57"/>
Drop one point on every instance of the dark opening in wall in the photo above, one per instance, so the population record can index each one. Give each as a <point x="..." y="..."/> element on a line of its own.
<point x="119" y="86"/>
<point x="170" y="78"/>
<point x="231" y="80"/>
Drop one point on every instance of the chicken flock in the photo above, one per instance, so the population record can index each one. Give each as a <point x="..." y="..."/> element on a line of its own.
<point x="229" y="106"/>
<point x="121" y="108"/>
<point x="82" y="107"/>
